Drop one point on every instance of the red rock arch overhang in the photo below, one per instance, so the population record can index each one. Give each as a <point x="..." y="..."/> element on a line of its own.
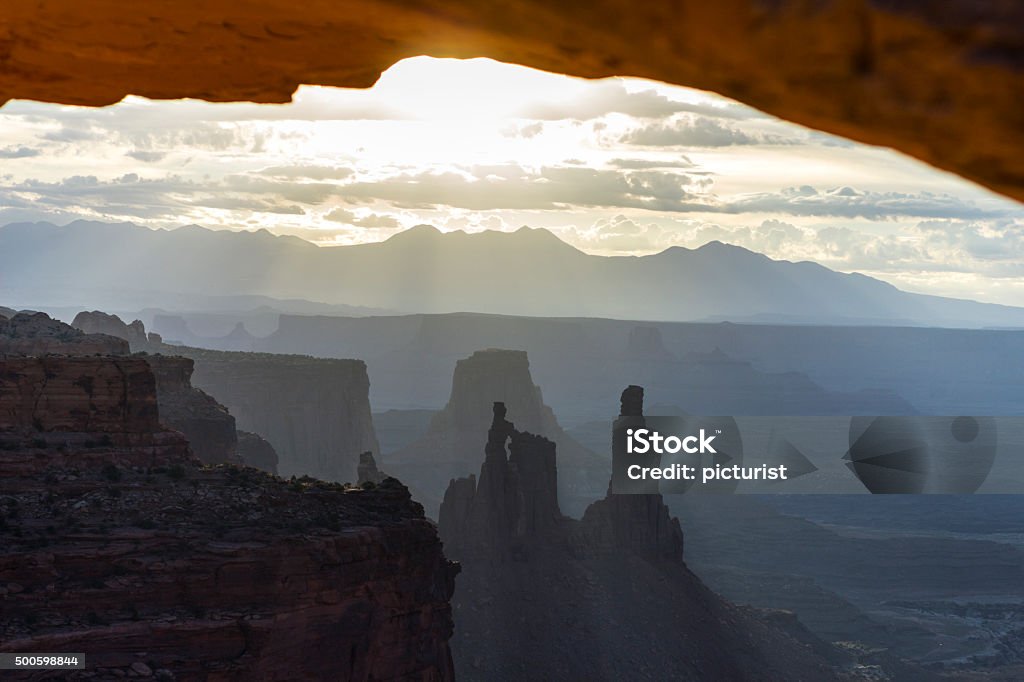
<point x="938" y="79"/>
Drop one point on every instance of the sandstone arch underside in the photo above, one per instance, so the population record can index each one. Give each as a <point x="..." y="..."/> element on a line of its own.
<point x="938" y="79"/>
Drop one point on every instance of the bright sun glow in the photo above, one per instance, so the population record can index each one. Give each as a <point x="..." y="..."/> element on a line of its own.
<point x="468" y="90"/>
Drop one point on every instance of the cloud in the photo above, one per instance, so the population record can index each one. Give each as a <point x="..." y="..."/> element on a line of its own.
<point x="641" y="184"/>
<point x="611" y="96"/>
<point x="375" y="221"/>
<point x="988" y="248"/>
<point x="994" y="243"/>
<point x="620" y="234"/>
<point x="526" y="131"/>
<point x="511" y="186"/>
<point x="340" y="215"/>
<point x="68" y="133"/>
<point x="371" y="221"/>
<point x="312" y="172"/>
<point x="693" y="132"/>
<point x="679" y="161"/>
<point x="146" y="156"/>
<point x="847" y="202"/>
<point x="19" y="152"/>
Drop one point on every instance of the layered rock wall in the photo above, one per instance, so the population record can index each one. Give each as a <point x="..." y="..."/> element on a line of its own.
<point x="90" y="394"/>
<point x="67" y="412"/>
<point x="116" y="543"/>
<point x="315" y="413"/>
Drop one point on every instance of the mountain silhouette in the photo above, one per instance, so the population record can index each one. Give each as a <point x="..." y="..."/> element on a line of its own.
<point x="526" y="272"/>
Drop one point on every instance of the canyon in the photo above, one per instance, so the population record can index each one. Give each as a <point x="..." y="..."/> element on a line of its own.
<point x="313" y="413"/>
<point x="544" y="596"/>
<point x="117" y="542"/>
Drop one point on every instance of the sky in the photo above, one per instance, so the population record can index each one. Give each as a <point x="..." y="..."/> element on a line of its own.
<point x="613" y="167"/>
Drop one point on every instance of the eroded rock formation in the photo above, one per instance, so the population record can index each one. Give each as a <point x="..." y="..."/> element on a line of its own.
<point x="115" y="543"/>
<point x="938" y="79"/>
<point x="612" y="588"/>
<point x="367" y="471"/>
<point x="641" y="523"/>
<point x="97" y="322"/>
<point x="38" y="334"/>
<point x="207" y="424"/>
<point x="451" y="449"/>
<point x="513" y="505"/>
<point x="314" y="413"/>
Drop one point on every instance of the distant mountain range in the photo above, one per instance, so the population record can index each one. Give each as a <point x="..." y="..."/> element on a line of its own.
<point x="527" y="272"/>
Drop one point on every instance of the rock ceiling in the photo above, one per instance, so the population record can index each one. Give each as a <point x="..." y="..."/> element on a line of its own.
<point x="940" y="80"/>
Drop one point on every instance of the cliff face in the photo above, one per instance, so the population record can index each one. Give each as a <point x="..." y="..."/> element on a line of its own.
<point x="115" y="543"/>
<point x="451" y="446"/>
<point x="612" y="588"/>
<point x="60" y="411"/>
<point x="207" y="425"/>
<point x="314" y="412"/>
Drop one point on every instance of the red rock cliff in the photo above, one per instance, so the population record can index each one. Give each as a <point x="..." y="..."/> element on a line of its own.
<point x="115" y="542"/>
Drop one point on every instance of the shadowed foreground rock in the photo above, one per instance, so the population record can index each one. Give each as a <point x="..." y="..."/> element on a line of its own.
<point x="115" y="542"/>
<point x="207" y="425"/>
<point x="937" y="79"/>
